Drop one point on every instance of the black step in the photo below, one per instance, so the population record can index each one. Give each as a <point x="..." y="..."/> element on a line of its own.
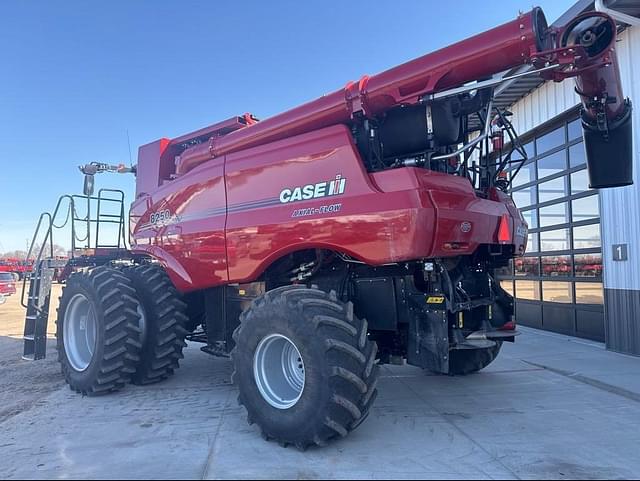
<point x="37" y="317"/>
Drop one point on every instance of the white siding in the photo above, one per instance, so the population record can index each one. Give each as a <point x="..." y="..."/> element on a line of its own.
<point x="620" y="208"/>
<point x="544" y="103"/>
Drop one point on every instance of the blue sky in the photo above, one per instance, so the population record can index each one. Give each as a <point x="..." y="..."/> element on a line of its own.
<point x="77" y="75"/>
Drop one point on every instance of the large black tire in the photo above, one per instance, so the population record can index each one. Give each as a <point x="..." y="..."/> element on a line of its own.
<point x="117" y="335"/>
<point x="339" y="363"/>
<point x="163" y="328"/>
<point x="465" y="362"/>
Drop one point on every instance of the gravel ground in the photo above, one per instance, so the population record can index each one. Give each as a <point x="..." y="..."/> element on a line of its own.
<point x="24" y="384"/>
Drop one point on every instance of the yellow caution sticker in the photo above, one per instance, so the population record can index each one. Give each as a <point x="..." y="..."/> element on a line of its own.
<point x="435" y="299"/>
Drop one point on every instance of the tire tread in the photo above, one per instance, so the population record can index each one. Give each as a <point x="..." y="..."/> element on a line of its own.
<point x="121" y="337"/>
<point x="166" y="317"/>
<point x="346" y="345"/>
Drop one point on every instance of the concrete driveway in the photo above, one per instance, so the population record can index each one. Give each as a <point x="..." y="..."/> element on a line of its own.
<point x="550" y="407"/>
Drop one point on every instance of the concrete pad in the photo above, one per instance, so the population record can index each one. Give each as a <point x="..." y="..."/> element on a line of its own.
<point x="543" y="410"/>
<point x="584" y="361"/>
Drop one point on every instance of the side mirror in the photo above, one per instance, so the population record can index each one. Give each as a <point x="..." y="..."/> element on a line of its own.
<point x="89" y="184"/>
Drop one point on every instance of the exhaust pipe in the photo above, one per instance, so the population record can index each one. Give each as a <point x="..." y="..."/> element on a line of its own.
<point x="606" y="114"/>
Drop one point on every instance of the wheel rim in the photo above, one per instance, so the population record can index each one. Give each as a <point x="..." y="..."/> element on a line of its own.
<point x="80" y="332"/>
<point x="279" y="372"/>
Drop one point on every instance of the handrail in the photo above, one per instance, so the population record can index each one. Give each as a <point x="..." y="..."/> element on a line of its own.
<point x="49" y="220"/>
<point x="121" y="226"/>
<point x="24" y="280"/>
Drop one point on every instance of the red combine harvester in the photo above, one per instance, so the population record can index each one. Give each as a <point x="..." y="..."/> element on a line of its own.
<point x="359" y="229"/>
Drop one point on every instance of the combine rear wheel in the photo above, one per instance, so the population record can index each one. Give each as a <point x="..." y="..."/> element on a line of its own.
<point x="164" y="316"/>
<point x="304" y="366"/>
<point x="98" y="331"/>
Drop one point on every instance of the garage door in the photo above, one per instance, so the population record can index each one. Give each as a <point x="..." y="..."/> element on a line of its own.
<point x="558" y="284"/>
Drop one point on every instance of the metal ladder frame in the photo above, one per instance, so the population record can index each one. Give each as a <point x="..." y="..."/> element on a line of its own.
<point x="41" y="278"/>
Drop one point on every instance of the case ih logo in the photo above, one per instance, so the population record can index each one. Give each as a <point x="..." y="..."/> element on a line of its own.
<point x="314" y="191"/>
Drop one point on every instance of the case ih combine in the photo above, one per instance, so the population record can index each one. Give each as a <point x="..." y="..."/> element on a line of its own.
<point x="358" y="229"/>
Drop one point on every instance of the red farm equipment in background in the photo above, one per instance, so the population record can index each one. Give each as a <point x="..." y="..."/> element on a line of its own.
<point x="20" y="268"/>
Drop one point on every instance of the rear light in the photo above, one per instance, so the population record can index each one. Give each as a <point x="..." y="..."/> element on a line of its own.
<point x="504" y="231"/>
<point x="509" y="326"/>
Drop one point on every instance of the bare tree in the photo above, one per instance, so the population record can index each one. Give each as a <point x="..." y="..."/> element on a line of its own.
<point x="58" y="251"/>
<point x="18" y="254"/>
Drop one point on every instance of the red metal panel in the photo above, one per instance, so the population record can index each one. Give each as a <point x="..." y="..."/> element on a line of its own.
<point x="186" y="232"/>
<point x="151" y="171"/>
<point x="391" y="216"/>
<point x="261" y="228"/>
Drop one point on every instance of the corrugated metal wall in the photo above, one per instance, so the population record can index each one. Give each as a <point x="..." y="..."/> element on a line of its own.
<point x="620" y="207"/>
<point x="546" y="102"/>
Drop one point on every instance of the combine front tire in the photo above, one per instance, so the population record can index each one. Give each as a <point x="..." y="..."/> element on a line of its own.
<point x="98" y="331"/>
<point x="163" y="316"/>
<point x="304" y="366"/>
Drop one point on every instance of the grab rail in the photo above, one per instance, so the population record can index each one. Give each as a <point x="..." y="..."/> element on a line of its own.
<point x="48" y="221"/>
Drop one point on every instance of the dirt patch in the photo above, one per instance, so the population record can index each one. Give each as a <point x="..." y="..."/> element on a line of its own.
<point x="23" y="383"/>
<point x="12" y="313"/>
